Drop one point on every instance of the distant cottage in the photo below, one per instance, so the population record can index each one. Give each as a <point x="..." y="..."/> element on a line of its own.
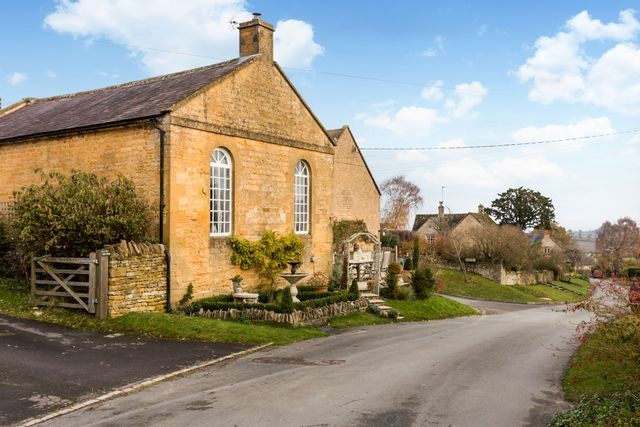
<point x="462" y="224"/>
<point x="229" y="149"/>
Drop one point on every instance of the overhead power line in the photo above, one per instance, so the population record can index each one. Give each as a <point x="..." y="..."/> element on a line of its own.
<point x="509" y="144"/>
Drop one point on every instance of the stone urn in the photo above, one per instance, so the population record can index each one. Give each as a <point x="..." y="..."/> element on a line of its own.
<point x="237" y="284"/>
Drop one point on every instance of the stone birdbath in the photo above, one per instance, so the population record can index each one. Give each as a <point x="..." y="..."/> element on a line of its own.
<point x="293" y="278"/>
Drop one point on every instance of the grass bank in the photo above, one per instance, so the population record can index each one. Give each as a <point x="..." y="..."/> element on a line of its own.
<point x="603" y="379"/>
<point x="433" y="308"/>
<point x="14" y="301"/>
<point x="482" y="288"/>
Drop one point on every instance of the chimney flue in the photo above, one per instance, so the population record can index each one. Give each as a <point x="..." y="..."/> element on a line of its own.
<point x="256" y="37"/>
<point x="481" y="208"/>
<point x="440" y="210"/>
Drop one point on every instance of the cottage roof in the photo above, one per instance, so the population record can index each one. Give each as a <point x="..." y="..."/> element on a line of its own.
<point x="111" y="105"/>
<point x="452" y="219"/>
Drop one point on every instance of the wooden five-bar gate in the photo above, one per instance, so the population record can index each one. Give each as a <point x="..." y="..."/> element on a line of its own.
<point x="72" y="282"/>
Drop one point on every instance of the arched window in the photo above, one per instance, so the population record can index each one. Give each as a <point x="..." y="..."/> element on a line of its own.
<point x="220" y="207"/>
<point x="301" y="199"/>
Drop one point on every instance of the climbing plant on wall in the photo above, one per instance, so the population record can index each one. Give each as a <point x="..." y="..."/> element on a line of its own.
<point x="268" y="256"/>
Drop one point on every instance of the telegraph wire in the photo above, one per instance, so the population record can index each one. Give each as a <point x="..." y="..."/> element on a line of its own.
<point x="508" y="144"/>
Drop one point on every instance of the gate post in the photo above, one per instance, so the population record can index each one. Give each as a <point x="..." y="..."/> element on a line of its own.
<point x="102" y="311"/>
<point x="91" y="303"/>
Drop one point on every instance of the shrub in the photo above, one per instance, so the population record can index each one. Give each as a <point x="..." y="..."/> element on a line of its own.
<point x="354" y="292"/>
<point x="422" y="283"/>
<point x="402" y="293"/>
<point x="390" y="240"/>
<point x="335" y="281"/>
<point x="77" y="214"/>
<point x="393" y="275"/>
<point x="286" y="305"/>
<point x="408" y="264"/>
<point x="631" y="271"/>
<point x="416" y="252"/>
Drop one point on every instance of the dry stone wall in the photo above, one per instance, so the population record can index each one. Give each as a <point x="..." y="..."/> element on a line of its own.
<point x="308" y="316"/>
<point x="137" y="278"/>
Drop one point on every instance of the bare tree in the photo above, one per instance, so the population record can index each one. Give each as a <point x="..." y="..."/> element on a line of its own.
<point x="401" y="196"/>
<point x="617" y="240"/>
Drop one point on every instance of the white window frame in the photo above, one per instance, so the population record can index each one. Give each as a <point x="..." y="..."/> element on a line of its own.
<point x="301" y="198"/>
<point x="220" y="201"/>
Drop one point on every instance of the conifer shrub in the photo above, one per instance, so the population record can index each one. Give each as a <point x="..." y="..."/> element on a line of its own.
<point x="422" y="283"/>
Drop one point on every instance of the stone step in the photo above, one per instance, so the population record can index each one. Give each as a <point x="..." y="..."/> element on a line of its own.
<point x="384" y="307"/>
<point x="368" y="295"/>
<point x="376" y="301"/>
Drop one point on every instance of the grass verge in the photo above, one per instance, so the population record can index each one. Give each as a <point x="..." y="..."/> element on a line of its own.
<point x="604" y="377"/>
<point x="433" y="308"/>
<point x="482" y="288"/>
<point x="14" y="301"/>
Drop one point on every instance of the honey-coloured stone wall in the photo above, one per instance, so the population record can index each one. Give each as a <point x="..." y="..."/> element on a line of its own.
<point x="137" y="278"/>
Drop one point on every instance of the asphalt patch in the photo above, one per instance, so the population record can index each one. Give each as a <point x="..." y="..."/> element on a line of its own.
<point x="46" y="367"/>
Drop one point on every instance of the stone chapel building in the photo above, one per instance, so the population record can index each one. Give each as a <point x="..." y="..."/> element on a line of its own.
<point x="229" y="149"/>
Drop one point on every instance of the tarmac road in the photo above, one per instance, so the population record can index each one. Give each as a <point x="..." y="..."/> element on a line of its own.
<point x="45" y="367"/>
<point x="493" y="370"/>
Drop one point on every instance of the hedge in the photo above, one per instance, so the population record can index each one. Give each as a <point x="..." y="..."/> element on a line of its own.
<point x="221" y="303"/>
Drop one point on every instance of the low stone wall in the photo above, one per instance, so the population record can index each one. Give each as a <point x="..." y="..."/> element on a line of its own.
<point x="137" y="278"/>
<point x="498" y="274"/>
<point x="308" y="316"/>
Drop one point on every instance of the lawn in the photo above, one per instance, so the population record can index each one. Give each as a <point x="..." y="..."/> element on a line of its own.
<point x="432" y="308"/>
<point x="14" y="301"/>
<point x="482" y="288"/>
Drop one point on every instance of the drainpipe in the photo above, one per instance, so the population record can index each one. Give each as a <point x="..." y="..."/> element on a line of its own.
<point x="167" y="257"/>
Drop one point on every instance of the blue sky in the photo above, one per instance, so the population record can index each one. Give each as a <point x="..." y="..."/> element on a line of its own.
<point x="424" y="75"/>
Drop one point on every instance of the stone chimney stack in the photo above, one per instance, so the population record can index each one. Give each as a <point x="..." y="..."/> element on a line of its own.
<point x="546" y="234"/>
<point x="440" y="210"/>
<point x="480" y="208"/>
<point x="256" y="36"/>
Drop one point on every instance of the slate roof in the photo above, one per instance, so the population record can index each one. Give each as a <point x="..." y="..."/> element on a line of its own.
<point x="111" y="105"/>
<point x="452" y="219"/>
<point x="335" y="133"/>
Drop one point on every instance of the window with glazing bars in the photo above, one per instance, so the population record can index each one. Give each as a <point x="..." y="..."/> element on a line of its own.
<point x="220" y="193"/>
<point x="301" y="199"/>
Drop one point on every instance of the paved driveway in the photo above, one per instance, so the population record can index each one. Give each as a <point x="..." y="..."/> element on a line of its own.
<point x="45" y="367"/>
<point x="494" y="370"/>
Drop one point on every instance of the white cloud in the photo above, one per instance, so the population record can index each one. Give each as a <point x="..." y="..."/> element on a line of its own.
<point x="585" y="127"/>
<point x="405" y="121"/>
<point x="200" y="28"/>
<point x="433" y="93"/>
<point x="16" y="78"/>
<point x="482" y="30"/>
<point x="438" y="48"/>
<point x="51" y="74"/>
<point x="294" y="45"/>
<point x="468" y="171"/>
<point x="562" y="70"/>
<point x="467" y="96"/>
<point x="415" y="119"/>
<point x="411" y="156"/>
